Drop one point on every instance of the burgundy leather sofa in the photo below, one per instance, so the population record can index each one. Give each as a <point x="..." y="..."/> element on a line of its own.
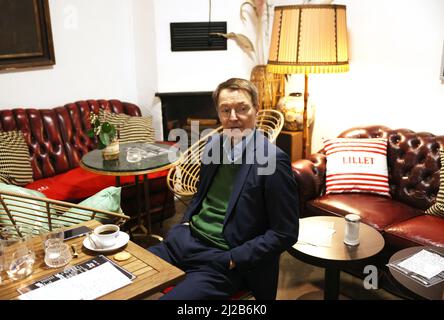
<point x="413" y="165"/>
<point x="57" y="139"/>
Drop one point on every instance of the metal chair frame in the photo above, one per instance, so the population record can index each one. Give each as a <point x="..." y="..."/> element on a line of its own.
<point x="36" y="212"/>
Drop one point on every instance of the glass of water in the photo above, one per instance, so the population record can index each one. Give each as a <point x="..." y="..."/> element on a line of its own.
<point x="16" y="255"/>
<point x="57" y="254"/>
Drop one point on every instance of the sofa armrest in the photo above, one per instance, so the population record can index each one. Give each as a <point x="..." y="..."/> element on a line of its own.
<point x="310" y="176"/>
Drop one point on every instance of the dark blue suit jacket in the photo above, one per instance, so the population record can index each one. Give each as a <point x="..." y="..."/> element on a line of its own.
<point x="262" y="218"/>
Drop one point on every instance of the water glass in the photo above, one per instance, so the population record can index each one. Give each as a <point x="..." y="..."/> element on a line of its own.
<point x="16" y="254"/>
<point x="57" y="254"/>
<point x="133" y="155"/>
<point x="56" y="234"/>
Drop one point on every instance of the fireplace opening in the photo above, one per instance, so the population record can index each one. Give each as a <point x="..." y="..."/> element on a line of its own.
<point x="179" y="109"/>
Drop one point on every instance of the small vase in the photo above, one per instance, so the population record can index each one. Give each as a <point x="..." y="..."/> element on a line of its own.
<point x="292" y="107"/>
<point x="111" y="152"/>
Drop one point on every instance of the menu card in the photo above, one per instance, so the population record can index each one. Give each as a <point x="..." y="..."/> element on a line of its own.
<point x="425" y="267"/>
<point x="86" y="281"/>
<point x="317" y="233"/>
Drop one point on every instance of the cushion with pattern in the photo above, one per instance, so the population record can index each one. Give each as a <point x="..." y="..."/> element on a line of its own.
<point x="356" y="165"/>
<point x="131" y="129"/>
<point x="15" y="164"/>
<point x="437" y="208"/>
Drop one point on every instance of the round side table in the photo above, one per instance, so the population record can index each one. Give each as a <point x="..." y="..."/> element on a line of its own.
<point x="338" y="255"/>
<point x="434" y="292"/>
<point x="159" y="157"/>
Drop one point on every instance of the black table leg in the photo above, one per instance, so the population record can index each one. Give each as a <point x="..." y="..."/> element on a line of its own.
<point x="331" y="286"/>
<point x="146" y="190"/>
<point x="140" y="224"/>
<point x="154" y="239"/>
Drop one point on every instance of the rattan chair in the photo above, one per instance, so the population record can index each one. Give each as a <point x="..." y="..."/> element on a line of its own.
<point x="270" y="123"/>
<point x="41" y="213"/>
<point x="183" y="178"/>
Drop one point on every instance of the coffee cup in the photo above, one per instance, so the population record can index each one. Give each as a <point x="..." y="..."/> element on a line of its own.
<point x="107" y="234"/>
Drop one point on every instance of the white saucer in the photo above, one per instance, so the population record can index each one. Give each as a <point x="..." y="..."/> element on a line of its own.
<point x="122" y="239"/>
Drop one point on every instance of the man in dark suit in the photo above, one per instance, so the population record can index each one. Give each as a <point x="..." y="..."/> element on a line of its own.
<point x="244" y="214"/>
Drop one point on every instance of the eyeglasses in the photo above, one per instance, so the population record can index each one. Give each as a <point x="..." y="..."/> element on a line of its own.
<point x="240" y="111"/>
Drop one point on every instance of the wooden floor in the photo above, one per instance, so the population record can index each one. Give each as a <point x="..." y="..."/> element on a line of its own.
<point x="298" y="280"/>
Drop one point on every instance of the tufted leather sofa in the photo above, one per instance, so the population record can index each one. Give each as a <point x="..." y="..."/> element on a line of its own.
<point x="413" y="164"/>
<point x="57" y="139"/>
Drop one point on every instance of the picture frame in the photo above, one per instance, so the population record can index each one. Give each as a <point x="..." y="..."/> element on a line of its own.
<point x="26" y="36"/>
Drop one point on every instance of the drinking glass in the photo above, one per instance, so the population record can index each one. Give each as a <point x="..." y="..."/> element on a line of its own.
<point x="16" y="255"/>
<point x="133" y="155"/>
<point x="55" y="234"/>
<point x="57" y="254"/>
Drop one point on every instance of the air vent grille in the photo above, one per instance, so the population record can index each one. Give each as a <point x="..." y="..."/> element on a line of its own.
<point x="194" y="36"/>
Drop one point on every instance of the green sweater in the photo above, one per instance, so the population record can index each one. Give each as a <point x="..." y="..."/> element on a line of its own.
<point x="208" y="223"/>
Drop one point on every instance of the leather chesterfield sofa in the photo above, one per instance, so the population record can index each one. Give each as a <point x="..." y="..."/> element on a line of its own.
<point x="413" y="164"/>
<point x="57" y="139"/>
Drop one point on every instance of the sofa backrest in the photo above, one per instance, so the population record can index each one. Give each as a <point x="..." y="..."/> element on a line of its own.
<point x="413" y="162"/>
<point x="57" y="137"/>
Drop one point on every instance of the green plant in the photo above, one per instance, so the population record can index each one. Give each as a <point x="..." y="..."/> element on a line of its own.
<point x="104" y="131"/>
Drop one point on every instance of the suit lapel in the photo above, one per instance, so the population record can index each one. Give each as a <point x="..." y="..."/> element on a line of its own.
<point x="208" y="171"/>
<point x="240" y="180"/>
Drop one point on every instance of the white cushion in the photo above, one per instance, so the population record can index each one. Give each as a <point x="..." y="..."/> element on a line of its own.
<point x="356" y="165"/>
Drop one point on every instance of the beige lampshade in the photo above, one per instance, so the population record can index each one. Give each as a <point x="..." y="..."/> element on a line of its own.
<point x="309" y="39"/>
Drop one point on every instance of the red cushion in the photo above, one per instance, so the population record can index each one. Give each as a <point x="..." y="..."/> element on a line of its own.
<point x="78" y="184"/>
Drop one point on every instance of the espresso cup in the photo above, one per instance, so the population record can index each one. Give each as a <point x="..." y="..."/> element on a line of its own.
<point x="107" y="234"/>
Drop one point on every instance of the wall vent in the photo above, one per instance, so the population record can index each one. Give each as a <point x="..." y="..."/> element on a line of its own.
<point x="194" y="36"/>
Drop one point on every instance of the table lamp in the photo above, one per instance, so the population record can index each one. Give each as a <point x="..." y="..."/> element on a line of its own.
<point x="308" y="39"/>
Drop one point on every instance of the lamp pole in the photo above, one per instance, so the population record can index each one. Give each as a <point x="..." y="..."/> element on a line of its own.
<point x="305" y="131"/>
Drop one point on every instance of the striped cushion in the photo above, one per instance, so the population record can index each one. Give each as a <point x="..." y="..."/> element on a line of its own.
<point x="437" y="208"/>
<point x="131" y="129"/>
<point x="15" y="165"/>
<point x="357" y="165"/>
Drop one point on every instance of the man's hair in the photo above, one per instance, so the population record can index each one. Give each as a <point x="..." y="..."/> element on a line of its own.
<point x="237" y="84"/>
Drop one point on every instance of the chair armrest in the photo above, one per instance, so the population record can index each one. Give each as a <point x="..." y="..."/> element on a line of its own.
<point x="310" y="176"/>
<point x="37" y="212"/>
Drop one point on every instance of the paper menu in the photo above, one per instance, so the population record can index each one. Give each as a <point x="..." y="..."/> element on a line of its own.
<point x="316" y="233"/>
<point x="425" y="267"/>
<point x="88" y="280"/>
<point x="425" y="263"/>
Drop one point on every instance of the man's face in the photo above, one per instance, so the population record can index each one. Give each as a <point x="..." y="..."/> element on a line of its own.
<point x="236" y="112"/>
